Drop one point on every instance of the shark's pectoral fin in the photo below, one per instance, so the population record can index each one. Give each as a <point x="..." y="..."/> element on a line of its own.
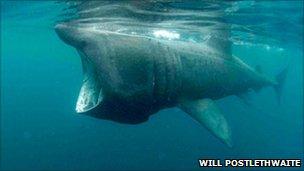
<point x="207" y="113"/>
<point x="90" y="93"/>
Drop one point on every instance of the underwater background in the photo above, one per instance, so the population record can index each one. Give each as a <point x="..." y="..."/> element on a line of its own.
<point x="41" y="77"/>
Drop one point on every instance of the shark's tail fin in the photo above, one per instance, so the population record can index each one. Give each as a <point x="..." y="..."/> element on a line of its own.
<point x="280" y="79"/>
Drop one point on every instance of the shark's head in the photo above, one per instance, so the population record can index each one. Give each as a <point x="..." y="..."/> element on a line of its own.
<point x="90" y="95"/>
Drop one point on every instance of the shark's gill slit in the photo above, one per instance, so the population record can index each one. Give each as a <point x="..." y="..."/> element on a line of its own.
<point x="90" y="93"/>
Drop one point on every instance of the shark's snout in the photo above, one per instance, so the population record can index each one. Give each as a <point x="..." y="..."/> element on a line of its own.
<point x="70" y="35"/>
<point x="62" y="32"/>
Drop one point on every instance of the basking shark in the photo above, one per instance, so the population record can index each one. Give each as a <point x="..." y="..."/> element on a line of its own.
<point x="129" y="77"/>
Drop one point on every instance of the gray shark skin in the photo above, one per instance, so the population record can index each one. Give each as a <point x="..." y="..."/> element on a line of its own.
<point x="127" y="78"/>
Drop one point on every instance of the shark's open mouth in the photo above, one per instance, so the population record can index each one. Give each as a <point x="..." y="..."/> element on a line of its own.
<point x="90" y="93"/>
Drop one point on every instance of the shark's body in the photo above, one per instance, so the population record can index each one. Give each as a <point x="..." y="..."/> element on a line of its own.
<point x="129" y="77"/>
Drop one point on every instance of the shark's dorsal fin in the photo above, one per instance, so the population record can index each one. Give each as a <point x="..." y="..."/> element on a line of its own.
<point x="219" y="41"/>
<point x="219" y="35"/>
<point x="90" y="93"/>
<point x="207" y="113"/>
